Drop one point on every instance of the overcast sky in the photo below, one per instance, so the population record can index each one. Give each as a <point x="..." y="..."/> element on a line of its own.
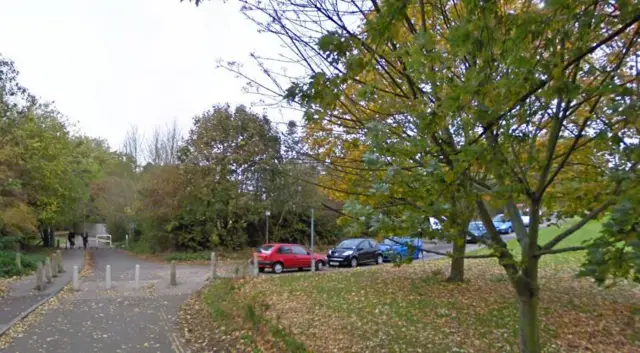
<point x="108" y="64"/>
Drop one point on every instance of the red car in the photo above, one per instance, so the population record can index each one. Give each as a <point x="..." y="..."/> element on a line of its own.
<point x="279" y="257"/>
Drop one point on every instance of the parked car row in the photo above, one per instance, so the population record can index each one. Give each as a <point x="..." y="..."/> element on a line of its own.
<point x="278" y="257"/>
<point x="351" y="252"/>
<point x="477" y="231"/>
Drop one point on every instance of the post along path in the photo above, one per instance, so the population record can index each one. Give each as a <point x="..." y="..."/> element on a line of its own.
<point x="120" y="319"/>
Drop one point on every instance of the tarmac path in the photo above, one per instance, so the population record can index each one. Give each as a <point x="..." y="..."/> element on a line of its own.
<point x="121" y="319"/>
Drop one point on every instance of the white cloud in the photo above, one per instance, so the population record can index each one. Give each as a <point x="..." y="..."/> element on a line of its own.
<point x="111" y="63"/>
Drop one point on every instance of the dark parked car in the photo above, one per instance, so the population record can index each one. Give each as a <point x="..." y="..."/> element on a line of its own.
<point x="477" y="232"/>
<point x="352" y="252"/>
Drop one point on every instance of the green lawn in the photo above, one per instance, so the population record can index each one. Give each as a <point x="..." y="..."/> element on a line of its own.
<point x="586" y="233"/>
<point x="413" y="309"/>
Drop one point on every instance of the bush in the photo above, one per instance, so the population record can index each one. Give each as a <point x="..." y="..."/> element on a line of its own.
<point x="9" y="268"/>
<point x="188" y="256"/>
<point x="8" y="242"/>
<point x="151" y="243"/>
<point x="139" y="247"/>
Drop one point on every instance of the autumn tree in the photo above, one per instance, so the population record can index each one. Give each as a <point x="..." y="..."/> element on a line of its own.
<point x="499" y="101"/>
<point x="46" y="171"/>
<point x="225" y="160"/>
<point x="17" y="218"/>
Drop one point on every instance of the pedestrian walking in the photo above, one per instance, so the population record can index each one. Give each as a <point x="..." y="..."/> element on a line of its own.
<point x="72" y="239"/>
<point x="85" y="239"/>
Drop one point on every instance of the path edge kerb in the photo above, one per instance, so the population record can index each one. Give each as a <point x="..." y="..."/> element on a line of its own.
<point x="38" y="304"/>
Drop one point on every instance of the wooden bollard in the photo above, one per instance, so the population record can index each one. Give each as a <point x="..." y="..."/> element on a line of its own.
<point x="213" y="265"/>
<point x="47" y="269"/>
<point x="137" y="276"/>
<point x="54" y="265"/>
<point x="107" y="283"/>
<point x="76" y="285"/>
<point x="60" y="266"/>
<point x="19" y="261"/>
<point x="255" y="264"/>
<point x="40" y="284"/>
<point x="172" y="274"/>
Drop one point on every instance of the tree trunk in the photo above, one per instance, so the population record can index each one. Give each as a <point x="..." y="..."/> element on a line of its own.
<point x="529" y="323"/>
<point x="457" y="262"/>
<point x="45" y="237"/>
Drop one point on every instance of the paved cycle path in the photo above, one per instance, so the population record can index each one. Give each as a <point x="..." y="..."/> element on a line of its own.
<point x="22" y="297"/>
<point x="121" y="319"/>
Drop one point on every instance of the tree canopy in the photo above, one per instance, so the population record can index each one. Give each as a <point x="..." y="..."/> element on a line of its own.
<point x="430" y="107"/>
<point x="46" y="171"/>
<point x="209" y="189"/>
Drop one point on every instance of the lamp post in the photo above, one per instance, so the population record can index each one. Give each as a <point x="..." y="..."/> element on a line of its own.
<point x="313" y="261"/>
<point x="267" y="214"/>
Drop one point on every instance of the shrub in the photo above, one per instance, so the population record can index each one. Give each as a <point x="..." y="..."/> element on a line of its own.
<point x="9" y="268"/>
<point x="139" y="247"/>
<point x="188" y="256"/>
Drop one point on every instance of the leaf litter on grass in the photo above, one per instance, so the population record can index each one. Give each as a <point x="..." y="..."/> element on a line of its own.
<point x="412" y="309"/>
<point x="202" y="333"/>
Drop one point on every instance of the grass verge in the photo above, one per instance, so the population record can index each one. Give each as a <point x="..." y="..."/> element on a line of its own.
<point x="216" y="319"/>
<point x="413" y="309"/>
<point x="589" y="231"/>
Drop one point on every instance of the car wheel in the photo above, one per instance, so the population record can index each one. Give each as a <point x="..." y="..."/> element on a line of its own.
<point x="277" y="268"/>
<point x="319" y="265"/>
<point x="379" y="259"/>
<point x="260" y="269"/>
<point x="354" y="262"/>
<point x="420" y="255"/>
<point x="510" y="230"/>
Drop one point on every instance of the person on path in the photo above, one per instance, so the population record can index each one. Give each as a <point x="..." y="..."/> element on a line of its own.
<point x="72" y="239"/>
<point x="85" y="239"/>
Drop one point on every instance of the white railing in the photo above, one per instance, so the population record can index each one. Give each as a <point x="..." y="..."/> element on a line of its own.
<point x="103" y="238"/>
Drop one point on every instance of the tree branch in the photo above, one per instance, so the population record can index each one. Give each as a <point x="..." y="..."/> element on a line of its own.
<point x="561" y="250"/>
<point x="562" y="236"/>
<point x="448" y="254"/>
<point x="333" y="209"/>
<point x="542" y="83"/>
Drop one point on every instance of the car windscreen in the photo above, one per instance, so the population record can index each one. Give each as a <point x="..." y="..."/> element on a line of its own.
<point x="477" y="228"/>
<point x="389" y="242"/>
<point x="349" y="244"/>
<point x="265" y="249"/>
<point x="499" y="219"/>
